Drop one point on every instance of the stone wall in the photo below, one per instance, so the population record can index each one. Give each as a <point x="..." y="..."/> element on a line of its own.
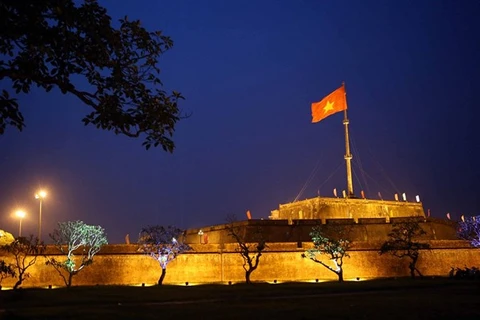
<point x="367" y="229"/>
<point x="341" y="208"/>
<point x="209" y="263"/>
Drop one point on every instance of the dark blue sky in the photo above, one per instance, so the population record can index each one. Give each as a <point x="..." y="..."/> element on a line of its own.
<point x="249" y="71"/>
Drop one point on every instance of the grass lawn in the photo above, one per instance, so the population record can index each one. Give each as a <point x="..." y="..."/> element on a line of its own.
<point x="378" y="299"/>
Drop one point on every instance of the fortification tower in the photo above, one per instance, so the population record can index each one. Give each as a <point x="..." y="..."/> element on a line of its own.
<point x="349" y="206"/>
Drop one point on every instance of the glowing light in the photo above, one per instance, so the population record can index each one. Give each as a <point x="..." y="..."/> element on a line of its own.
<point x="187" y="284"/>
<point x="41" y="194"/>
<point x="20" y="214"/>
<point x="51" y="287"/>
<point x="404" y="196"/>
<point x="143" y="285"/>
<point x="417" y="198"/>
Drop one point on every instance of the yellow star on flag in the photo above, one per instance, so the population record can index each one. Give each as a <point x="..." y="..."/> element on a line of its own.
<point x="328" y="106"/>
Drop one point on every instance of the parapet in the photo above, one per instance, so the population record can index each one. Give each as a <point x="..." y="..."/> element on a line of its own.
<point x="346" y="208"/>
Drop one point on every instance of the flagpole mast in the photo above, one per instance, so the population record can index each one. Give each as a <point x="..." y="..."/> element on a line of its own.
<point x="348" y="155"/>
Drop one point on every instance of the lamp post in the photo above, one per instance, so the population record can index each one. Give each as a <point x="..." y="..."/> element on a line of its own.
<point x="20" y="215"/>
<point x="200" y="234"/>
<point x="40" y="196"/>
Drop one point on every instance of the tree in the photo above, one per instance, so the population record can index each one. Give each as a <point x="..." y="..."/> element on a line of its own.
<point x="402" y="243"/>
<point x="163" y="244"/>
<point x="25" y="252"/>
<point x="79" y="242"/>
<point x="6" y="270"/>
<point x="250" y="248"/>
<point x="64" y="43"/>
<point x="332" y="242"/>
<point x="469" y="229"/>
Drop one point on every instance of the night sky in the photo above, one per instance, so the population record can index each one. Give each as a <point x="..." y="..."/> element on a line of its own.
<point x="249" y="71"/>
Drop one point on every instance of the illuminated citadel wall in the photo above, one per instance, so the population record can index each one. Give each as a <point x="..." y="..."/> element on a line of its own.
<point x="219" y="263"/>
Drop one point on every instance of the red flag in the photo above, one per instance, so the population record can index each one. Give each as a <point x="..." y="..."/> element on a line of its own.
<point x="428" y="212"/>
<point x="333" y="103"/>
<point x="249" y="215"/>
<point x="335" y="192"/>
<point x="448" y="216"/>
<point x="363" y="194"/>
<point x="205" y="238"/>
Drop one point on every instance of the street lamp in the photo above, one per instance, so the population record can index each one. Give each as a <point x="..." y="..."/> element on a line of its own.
<point x="40" y="196"/>
<point x="200" y="234"/>
<point x="20" y="215"/>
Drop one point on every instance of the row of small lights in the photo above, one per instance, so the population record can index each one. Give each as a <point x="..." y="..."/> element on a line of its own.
<point x="195" y="284"/>
<point x="404" y="195"/>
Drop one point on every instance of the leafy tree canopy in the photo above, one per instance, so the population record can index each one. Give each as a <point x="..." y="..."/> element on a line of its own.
<point x="6" y="270"/>
<point x="55" y="43"/>
<point x="75" y="239"/>
<point x="25" y="251"/>
<point x="403" y="242"/>
<point x="469" y="229"/>
<point x="334" y="243"/>
<point x="163" y="244"/>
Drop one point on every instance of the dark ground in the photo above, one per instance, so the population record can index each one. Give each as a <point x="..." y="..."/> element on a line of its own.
<point x="379" y="299"/>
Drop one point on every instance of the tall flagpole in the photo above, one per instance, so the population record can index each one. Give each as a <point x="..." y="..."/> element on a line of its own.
<point x="348" y="155"/>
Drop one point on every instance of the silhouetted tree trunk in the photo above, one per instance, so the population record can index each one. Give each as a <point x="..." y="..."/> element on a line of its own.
<point x="340" y="275"/>
<point x="19" y="281"/>
<point x="413" y="267"/>
<point x="160" y="281"/>
<point x="70" y="278"/>
<point x="247" y="276"/>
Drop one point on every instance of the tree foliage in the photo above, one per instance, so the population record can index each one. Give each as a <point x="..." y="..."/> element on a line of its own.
<point x="64" y="43"/>
<point x="79" y="242"/>
<point x="250" y="247"/>
<point x="25" y="252"/>
<point x="334" y="243"/>
<point x="469" y="229"/>
<point x="6" y="270"/>
<point x="163" y="244"/>
<point x="402" y="243"/>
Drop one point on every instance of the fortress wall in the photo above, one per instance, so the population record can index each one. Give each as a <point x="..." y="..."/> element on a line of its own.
<point x="299" y="230"/>
<point x="335" y="208"/>
<point x="282" y="262"/>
